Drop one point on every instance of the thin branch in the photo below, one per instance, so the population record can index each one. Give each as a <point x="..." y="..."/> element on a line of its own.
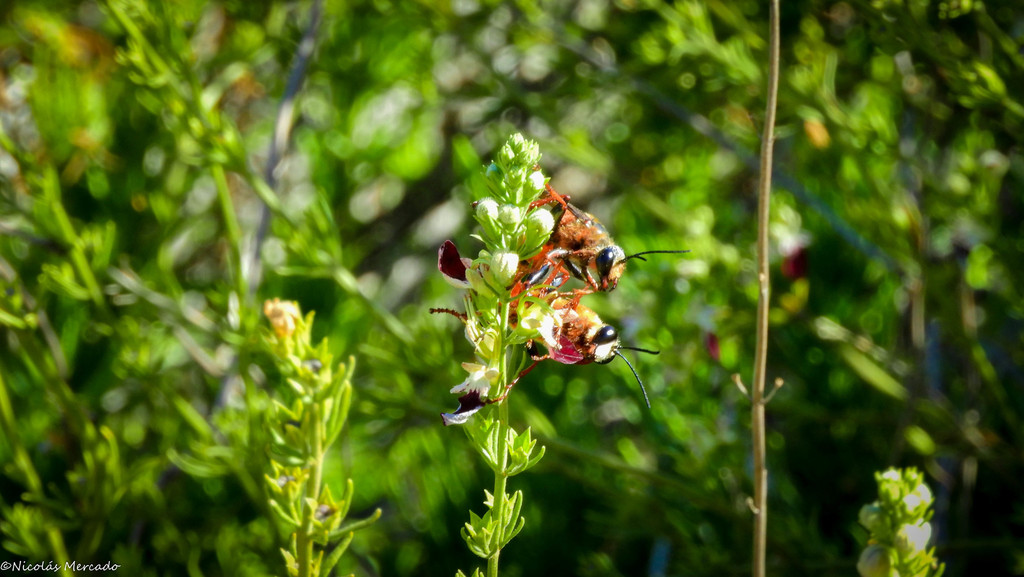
<point x="778" y="385"/>
<point x="282" y="134"/>
<point x="757" y="424"/>
<point x="739" y="385"/>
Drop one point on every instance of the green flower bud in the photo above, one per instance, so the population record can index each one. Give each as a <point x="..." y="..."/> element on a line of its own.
<point x="890" y="486"/>
<point x="520" y="150"/>
<point x="494" y="172"/>
<point x="487" y="210"/>
<point x="510" y="216"/>
<point x="478" y="278"/>
<point x="513" y="147"/>
<point x="872" y="518"/>
<point x="540" y="223"/>
<point x="875" y="561"/>
<point x="504" y="266"/>
<point x="484" y="343"/>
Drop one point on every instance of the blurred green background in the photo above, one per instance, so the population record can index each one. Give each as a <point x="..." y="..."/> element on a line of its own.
<point x="129" y="173"/>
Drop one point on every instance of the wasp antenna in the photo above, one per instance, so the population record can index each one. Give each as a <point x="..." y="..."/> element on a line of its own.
<point x="638" y="349"/>
<point x="639" y="255"/>
<point x="639" y="382"/>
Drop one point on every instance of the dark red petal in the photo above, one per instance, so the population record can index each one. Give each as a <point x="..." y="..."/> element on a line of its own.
<point x="794" y="266"/>
<point x="450" y="263"/>
<point x="711" y="342"/>
<point x="468" y="404"/>
<point x="566" y="352"/>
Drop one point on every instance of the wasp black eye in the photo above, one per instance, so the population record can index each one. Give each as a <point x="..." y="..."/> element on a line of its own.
<point x="605" y="335"/>
<point x="605" y="260"/>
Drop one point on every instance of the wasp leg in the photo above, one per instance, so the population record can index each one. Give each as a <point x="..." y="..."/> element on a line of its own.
<point x="568" y="258"/>
<point x="508" y="387"/>
<point x="552" y="197"/>
<point x="552" y="272"/>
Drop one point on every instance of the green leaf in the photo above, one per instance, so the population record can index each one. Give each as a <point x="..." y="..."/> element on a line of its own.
<point x="873" y="374"/>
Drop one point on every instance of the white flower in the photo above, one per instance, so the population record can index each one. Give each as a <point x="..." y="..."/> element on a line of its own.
<point x="911" y="539"/>
<point x="917" y="501"/>
<point x="911" y="502"/>
<point x="479" y="379"/>
<point x="924" y="493"/>
<point x="891" y="474"/>
<point x="545" y="324"/>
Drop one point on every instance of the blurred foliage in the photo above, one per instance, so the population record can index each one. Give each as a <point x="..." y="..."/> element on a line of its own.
<point x="132" y="140"/>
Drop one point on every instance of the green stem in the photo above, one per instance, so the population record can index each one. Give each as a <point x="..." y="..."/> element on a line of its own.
<point x="500" y="479"/>
<point x="52" y="193"/>
<point x="262" y="190"/>
<point x="231" y="228"/>
<point x="304" y="540"/>
<point x="500" y="473"/>
<point x="10" y="428"/>
<point x="23" y="461"/>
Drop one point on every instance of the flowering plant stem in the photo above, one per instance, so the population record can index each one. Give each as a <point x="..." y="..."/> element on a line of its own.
<point x="500" y="478"/>
<point x="499" y="320"/>
<point x="501" y="471"/>
<point x="307" y="418"/>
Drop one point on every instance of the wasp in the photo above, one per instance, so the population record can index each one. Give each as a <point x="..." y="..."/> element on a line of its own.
<point x="580" y="243"/>
<point x="582" y="338"/>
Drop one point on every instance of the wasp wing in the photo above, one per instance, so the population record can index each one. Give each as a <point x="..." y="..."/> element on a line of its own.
<point x="566" y="352"/>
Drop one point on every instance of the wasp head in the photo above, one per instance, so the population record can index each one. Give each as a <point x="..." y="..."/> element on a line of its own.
<point x="606" y="343"/>
<point x="610" y="263"/>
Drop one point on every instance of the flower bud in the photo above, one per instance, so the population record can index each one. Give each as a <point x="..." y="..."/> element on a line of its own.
<point x="512" y="147"/>
<point x="510" y="215"/>
<point x="540" y="223"/>
<point x="871" y="518"/>
<point x="282" y="315"/>
<point x="889" y="486"/>
<point x="875" y="561"/>
<point x="494" y="172"/>
<point x="912" y="539"/>
<point x="504" y="266"/>
<point x="536" y="181"/>
<point x="485" y="346"/>
<point x="478" y="277"/>
<point x="487" y="210"/>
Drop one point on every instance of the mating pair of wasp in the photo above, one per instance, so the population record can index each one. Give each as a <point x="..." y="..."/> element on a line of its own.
<point x="579" y="246"/>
